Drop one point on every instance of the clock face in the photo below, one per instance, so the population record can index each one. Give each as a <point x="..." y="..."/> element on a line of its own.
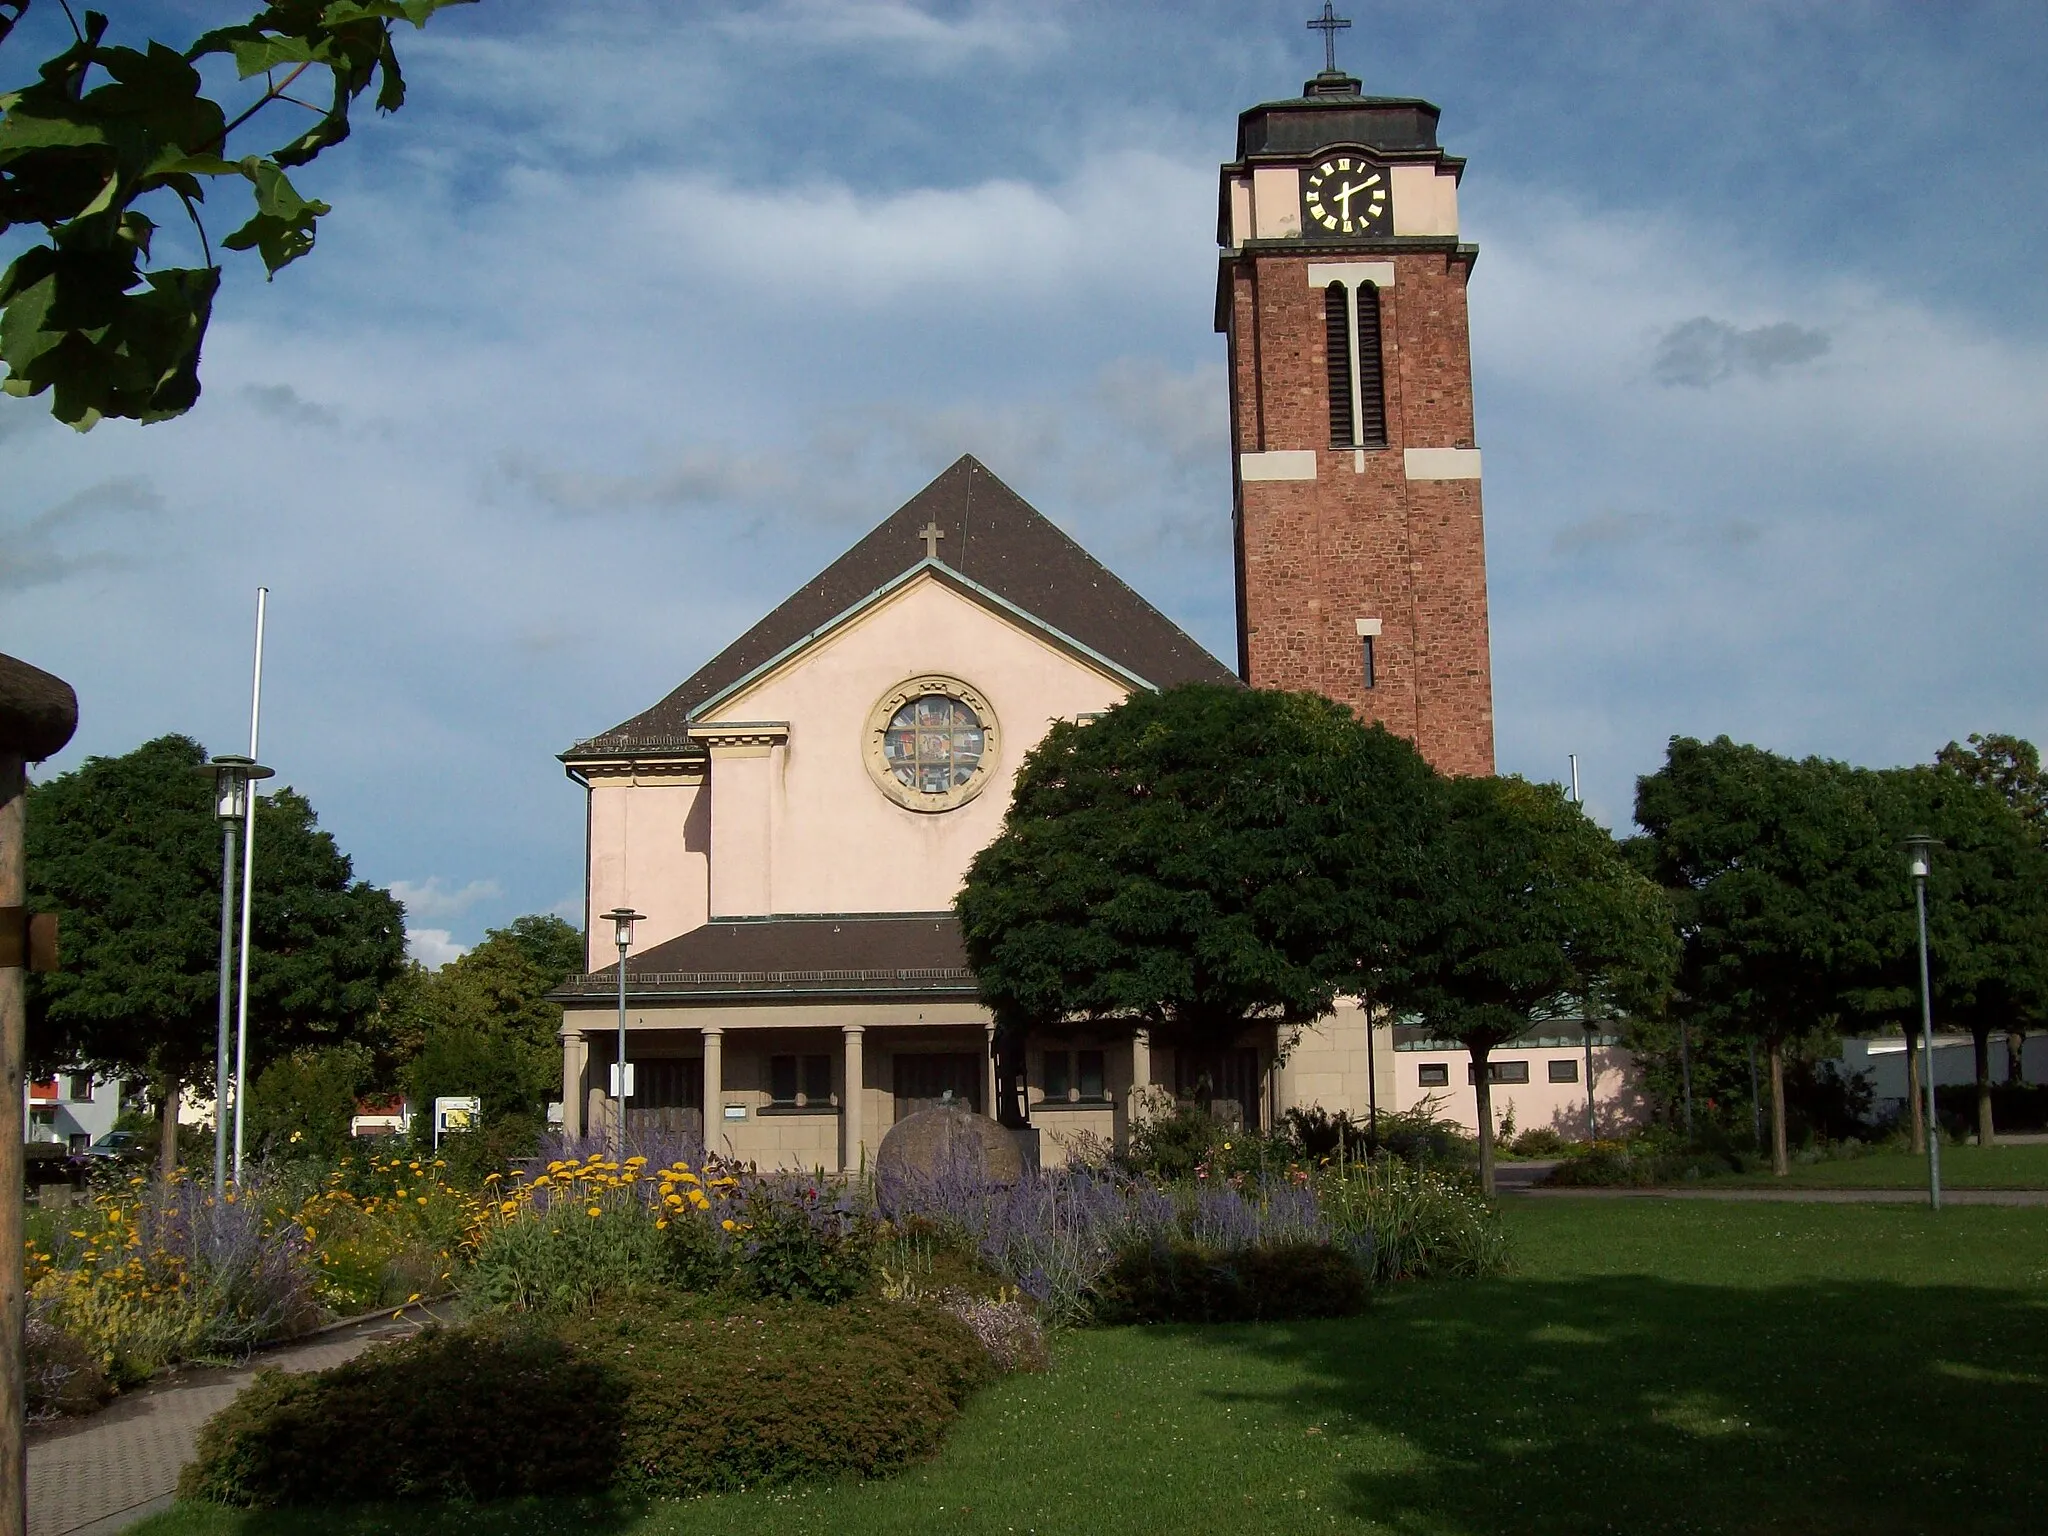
<point x="1345" y="195"/>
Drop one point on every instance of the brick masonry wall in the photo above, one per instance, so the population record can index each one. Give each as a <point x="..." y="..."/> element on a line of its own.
<point x="1315" y="556"/>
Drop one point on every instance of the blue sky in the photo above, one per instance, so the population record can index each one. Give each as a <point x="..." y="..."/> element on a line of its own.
<point x="638" y="314"/>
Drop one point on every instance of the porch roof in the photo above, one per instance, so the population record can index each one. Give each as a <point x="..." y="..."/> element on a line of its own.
<point x="863" y="954"/>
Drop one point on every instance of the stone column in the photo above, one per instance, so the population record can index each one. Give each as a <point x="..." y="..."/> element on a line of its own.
<point x="852" y="1102"/>
<point x="574" y="1054"/>
<point x="988" y="1070"/>
<point x="714" y="1085"/>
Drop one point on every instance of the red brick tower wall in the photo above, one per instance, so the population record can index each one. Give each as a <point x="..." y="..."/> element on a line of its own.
<point x="1362" y="539"/>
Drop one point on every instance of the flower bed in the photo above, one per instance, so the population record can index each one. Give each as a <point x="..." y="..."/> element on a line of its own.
<point x="146" y="1273"/>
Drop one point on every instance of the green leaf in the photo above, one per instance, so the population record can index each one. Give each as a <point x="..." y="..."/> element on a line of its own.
<point x="283" y="227"/>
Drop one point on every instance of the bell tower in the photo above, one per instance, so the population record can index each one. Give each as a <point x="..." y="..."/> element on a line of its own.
<point x="1361" y="554"/>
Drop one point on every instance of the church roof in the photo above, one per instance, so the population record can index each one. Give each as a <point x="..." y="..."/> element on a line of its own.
<point x="994" y="539"/>
<point x="845" y="954"/>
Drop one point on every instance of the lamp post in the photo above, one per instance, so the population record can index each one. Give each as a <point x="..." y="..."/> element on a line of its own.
<point x="623" y="919"/>
<point x="1919" y="851"/>
<point x="232" y="776"/>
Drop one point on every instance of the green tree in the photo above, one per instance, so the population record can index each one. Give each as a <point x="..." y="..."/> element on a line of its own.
<point x="105" y="129"/>
<point x="1196" y="862"/>
<point x="487" y="1027"/>
<point x="1535" y="914"/>
<point x="300" y="1106"/>
<point x="1778" y="876"/>
<point x="1987" y="895"/>
<point x="2012" y="766"/>
<point x="126" y="850"/>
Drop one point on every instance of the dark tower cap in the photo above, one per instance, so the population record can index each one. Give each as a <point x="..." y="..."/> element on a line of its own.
<point x="1331" y="111"/>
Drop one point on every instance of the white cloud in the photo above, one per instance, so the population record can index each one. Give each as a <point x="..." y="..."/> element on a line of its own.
<point x="37" y="551"/>
<point x="898" y="34"/>
<point x="433" y="898"/>
<point x="433" y="947"/>
<point x="1835" y="557"/>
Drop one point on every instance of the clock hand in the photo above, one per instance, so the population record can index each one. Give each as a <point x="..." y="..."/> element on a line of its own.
<point x="1344" y="199"/>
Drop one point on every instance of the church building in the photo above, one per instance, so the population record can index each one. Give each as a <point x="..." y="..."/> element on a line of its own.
<point x="794" y="819"/>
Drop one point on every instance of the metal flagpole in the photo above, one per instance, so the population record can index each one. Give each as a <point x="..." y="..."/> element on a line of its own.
<point x="248" y="887"/>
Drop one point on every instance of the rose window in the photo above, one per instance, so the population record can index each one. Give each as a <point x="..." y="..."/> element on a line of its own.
<point x="934" y="744"/>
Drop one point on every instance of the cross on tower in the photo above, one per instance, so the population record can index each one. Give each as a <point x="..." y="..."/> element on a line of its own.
<point x="1329" y="24"/>
<point x="931" y="533"/>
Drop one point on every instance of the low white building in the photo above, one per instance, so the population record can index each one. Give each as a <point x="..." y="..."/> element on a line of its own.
<point x="72" y="1109"/>
<point x="1882" y="1061"/>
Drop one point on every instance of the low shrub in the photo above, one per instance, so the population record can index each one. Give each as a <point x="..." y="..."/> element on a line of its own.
<point x="652" y="1395"/>
<point x="1184" y="1282"/>
<point x="780" y="1391"/>
<point x="1416" y="1223"/>
<point x="1539" y="1141"/>
<point x="794" y="1242"/>
<point x="60" y="1375"/>
<point x="495" y="1410"/>
<point x="1647" y="1161"/>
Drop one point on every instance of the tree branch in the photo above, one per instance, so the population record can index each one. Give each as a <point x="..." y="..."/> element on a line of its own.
<point x="270" y="95"/>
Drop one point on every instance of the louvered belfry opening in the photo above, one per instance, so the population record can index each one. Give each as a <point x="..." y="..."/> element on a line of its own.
<point x="1372" y="395"/>
<point x="1337" y="359"/>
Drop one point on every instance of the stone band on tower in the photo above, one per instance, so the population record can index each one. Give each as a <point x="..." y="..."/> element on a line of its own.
<point x="1361" y="554"/>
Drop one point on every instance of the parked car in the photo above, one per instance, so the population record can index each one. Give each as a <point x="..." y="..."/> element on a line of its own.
<point x="113" y="1147"/>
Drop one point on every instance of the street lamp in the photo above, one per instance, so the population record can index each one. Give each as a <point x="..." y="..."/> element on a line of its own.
<point x="232" y="776"/>
<point x="1920" y="850"/>
<point x="623" y="919"/>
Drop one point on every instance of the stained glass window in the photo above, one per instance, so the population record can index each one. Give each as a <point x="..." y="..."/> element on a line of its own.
<point x="933" y="744"/>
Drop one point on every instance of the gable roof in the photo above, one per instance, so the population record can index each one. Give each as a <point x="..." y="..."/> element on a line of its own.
<point x="995" y="540"/>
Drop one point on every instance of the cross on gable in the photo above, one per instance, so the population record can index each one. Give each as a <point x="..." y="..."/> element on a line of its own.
<point x="1329" y="24"/>
<point x="931" y="533"/>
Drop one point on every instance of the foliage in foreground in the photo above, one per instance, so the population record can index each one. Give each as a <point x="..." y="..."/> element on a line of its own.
<point x="1059" y="1236"/>
<point x="1753" y="1336"/>
<point x="652" y="1395"/>
<point x="105" y="129"/>
<point x="147" y="1273"/>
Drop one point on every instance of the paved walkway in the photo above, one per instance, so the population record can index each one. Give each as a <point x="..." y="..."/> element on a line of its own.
<point x="88" y="1477"/>
<point x="1811" y="1196"/>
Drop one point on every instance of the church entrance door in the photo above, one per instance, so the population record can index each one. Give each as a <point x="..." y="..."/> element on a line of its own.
<point x="1227" y="1083"/>
<point x="927" y="1079"/>
<point x="668" y="1095"/>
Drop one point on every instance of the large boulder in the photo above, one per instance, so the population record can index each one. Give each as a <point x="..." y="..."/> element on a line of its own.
<point x="38" y="712"/>
<point x="949" y="1142"/>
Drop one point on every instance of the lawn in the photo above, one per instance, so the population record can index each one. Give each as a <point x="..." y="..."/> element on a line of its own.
<point x="1654" y="1366"/>
<point x="1964" y="1167"/>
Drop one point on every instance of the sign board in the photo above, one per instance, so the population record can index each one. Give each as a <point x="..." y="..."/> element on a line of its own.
<point x="627" y="1091"/>
<point x="735" y="1111"/>
<point x="456" y="1114"/>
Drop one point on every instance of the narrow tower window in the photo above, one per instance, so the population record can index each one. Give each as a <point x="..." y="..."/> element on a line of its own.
<point x="1337" y="359"/>
<point x="1368" y="638"/>
<point x="1372" y="398"/>
<point x="1351" y="351"/>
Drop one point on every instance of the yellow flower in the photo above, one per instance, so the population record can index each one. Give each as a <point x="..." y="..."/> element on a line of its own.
<point x="635" y="1161"/>
<point x="595" y="1210"/>
<point x="671" y="1199"/>
<point x="508" y="1205"/>
<point x="663" y="1222"/>
<point x="729" y="1224"/>
<point x="540" y="1181"/>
